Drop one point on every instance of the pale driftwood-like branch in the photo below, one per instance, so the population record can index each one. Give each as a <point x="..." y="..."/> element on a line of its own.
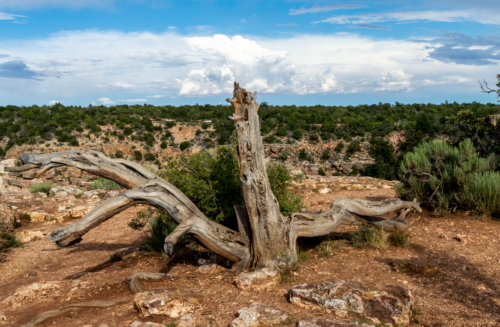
<point x="266" y="238"/>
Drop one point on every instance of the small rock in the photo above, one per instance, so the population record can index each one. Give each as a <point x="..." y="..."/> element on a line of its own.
<point x="30" y="293"/>
<point x="319" y="322"/>
<point x="352" y="299"/>
<point x="260" y="315"/>
<point x="415" y="266"/>
<point x="443" y="235"/>
<point x="482" y="287"/>
<point x="32" y="273"/>
<point x="170" y="302"/>
<point x="193" y="320"/>
<point x="258" y="280"/>
<point x="146" y="324"/>
<point x="30" y="235"/>
<point x="462" y="238"/>
<point x="211" y="269"/>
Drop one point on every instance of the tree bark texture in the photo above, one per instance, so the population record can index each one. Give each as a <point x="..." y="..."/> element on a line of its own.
<point x="265" y="238"/>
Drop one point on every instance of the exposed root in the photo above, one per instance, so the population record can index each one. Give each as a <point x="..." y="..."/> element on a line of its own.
<point x="134" y="287"/>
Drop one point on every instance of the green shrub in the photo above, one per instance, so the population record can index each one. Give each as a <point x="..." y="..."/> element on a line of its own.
<point x="211" y="181"/>
<point x="398" y="238"/>
<point x="270" y="139"/>
<point x="184" y="145"/>
<point x="42" y="187"/>
<point x="149" y="156"/>
<point x="441" y="176"/>
<point x="321" y="172"/>
<point x="280" y="178"/>
<point x="339" y="147"/>
<point x="372" y="236"/>
<point x="482" y="194"/>
<point x="303" y="154"/>
<point x="352" y="148"/>
<point x="104" y="184"/>
<point x="325" y="155"/>
<point x="137" y="155"/>
<point x="163" y="145"/>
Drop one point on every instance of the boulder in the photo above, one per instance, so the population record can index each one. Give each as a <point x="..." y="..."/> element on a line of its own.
<point x="258" y="280"/>
<point x="353" y="299"/>
<point x="320" y="322"/>
<point x="171" y="302"/>
<point x="59" y="191"/>
<point x="259" y="315"/>
<point x="8" y="218"/>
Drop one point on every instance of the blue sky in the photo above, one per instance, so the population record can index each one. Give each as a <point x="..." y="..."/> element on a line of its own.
<point x="292" y="52"/>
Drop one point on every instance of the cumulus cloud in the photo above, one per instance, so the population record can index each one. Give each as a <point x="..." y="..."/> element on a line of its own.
<point x="4" y="55"/>
<point x="466" y="50"/>
<point x="53" y="102"/>
<point x="84" y="64"/>
<point x="106" y="100"/>
<point x="16" y="69"/>
<point x="449" y="16"/>
<point x="327" y="8"/>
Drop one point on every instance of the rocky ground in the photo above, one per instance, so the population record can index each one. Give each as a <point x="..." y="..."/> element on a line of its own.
<point x="453" y="270"/>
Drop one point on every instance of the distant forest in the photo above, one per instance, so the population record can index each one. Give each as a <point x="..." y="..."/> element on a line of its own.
<point x="36" y="125"/>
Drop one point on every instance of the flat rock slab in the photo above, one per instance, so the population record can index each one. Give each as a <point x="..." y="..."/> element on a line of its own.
<point x="171" y="302"/>
<point x="259" y="315"/>
<point x="258" y="280"/>
<point x="355" y="300"/>
<point x="320" y="322"/>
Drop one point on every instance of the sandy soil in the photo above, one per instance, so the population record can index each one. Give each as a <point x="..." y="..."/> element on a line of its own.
<point x="465" y="291"/>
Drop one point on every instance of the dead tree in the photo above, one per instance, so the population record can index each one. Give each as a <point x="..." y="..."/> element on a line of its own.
<point x="265" y="237"/>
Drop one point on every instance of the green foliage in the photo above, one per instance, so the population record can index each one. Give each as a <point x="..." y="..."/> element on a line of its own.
<point x="42" y="187"/>
<point x="149" y="157"/>
<point x="339" y="147"/>
<point x="372" y="236"/>
<point x="184" y="145"/>
<point x="280" y="178"/>
<point x="441" y="176"/>
<point x="270" y="139"/>
<point x="7" y="241"/>
<point x="398" y="238"/>
<point x="210" y="180"/>
<point x="352" y="148"/>
<point x="297" y="134"/>
<point x="482" y="194"/>
<point x="326" y="154"/>
<point x="321" y="172"/>
<point x="386" y="161"/>
<point x="160" y="226"/>
<point x="104" y="184"/>
<point x="138" y="155"/>
<point x="283" y="156"/>
<point x="163" y="145"/>
<point x="303" y="154"/>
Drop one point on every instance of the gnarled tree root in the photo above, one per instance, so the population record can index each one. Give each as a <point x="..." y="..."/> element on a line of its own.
<point x="134" y="287"/>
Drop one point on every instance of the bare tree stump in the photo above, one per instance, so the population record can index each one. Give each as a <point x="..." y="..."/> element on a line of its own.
<point x="265" y="238"/>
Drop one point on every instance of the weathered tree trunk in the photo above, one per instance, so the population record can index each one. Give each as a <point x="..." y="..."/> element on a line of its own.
<point x="265" y="238"/>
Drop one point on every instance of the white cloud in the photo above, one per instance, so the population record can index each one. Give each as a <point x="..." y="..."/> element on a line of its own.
<point x="140" y="66"/>
<point x="106" y="100"/>
<point x="53" y="102"/>
<point x="117" y="85"/>
<point x="448" y="16"/>
<point x="133" y="100"/>
<point x="5" y="16"/>
<point x="327" y="8"/>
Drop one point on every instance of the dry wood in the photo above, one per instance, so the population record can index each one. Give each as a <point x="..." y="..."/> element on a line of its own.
<point x="265" y="238"/>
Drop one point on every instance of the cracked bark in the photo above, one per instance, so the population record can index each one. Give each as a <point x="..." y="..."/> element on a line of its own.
<point x="265" y="238"/>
